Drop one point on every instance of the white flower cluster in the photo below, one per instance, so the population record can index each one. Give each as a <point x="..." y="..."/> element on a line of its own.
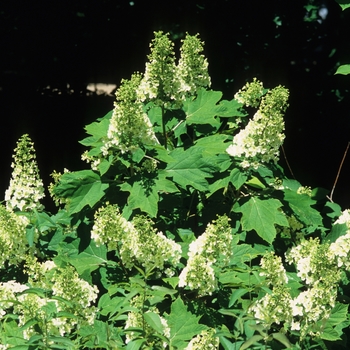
<point x="165" y="82"/>
<point x="270" y="263"/>
<point x="136" y="242"/>
<point x="192" y="69"/>
<point x="135" y="320"/>
<point x="206" y="340"/>
<point x="65" y="291"/>
<point x="320" y="275"/>
<point x="340" y="249"/>
<point x="344" y="218"/>
<point x="62" y="300"/>
<point x="13" y="242"/>
<point x="260" y="140"/>
<point x="212" y="248"/>
<point x="251" y="93"/>
<point x="129" y="126"/>
<point x="26" y="188"/>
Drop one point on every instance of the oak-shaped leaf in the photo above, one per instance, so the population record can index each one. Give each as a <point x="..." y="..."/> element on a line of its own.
<point x="261" y="215"/>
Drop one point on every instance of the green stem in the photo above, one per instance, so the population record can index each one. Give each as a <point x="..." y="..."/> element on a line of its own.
<point x="164" y="130"/>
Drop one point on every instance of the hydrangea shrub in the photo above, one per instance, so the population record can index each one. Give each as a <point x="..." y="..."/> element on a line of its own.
<point x="183" y="232"/>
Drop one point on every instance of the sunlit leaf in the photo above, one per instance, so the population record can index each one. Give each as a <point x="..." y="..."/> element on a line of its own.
<point x="344" y="69"/>
<point x="261" y="216"/>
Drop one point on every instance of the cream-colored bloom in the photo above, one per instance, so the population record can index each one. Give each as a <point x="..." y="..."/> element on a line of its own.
<point x="206" y="340"/>
<point x="259" y="142"/>
<point x="26" y="188"/>
<point x="13" y="241"/>
<point x="209" y="250"/>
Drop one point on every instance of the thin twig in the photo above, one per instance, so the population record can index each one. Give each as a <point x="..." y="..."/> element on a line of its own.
<point x="340" y="166"/>
<point x="285" y="158"/>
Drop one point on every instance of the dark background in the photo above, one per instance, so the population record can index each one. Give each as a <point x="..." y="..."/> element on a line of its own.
<point x="46" y="45"/>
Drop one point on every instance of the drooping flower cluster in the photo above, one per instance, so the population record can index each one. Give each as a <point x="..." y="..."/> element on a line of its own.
<point x="13" y="242"/>
<point x="135" y="320"/>
<point x="129" y="125"/>
<point x="26" y="188"/>
<point x="305" y="311"/>
<point x="212" y="248"/>
<point x="260" y="140"/>
<point x="136" y="242"/>
<point x="205" y="340"/>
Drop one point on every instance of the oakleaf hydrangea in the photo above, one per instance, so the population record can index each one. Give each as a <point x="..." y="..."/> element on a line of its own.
<point x="26" y="188"/>
<point x="260" y="140"/>
<point x="159" y="83"/>
<point x="129" y="126"/>
<point x="206" y="340"/>
<point x="136" y="320"/>
<point x="192" y="69"/>
<point x="57" y="301"/>
<point x="13" y="242"/>
<point x="137" y="242"/>
<point x="305" y="311"/>
<point x="211" y="249"/>
<point x="166" y="83"/>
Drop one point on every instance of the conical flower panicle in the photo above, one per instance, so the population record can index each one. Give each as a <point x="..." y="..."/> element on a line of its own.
<point x="26" y="187"/>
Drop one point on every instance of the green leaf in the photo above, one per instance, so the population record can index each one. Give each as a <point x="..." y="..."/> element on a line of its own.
<point x="98" y="130"/>
<point x="231" y="108"/>
<point x="338" y="314"/>
<point x="255" y="183"/>
<point x="183" y="325"/>
<point x="301" y="206"/>
<point x="214" y="144"/>
<point x="242" y="253"/>
<point x="135" y="344"/>
<point x="154" y="321"/>
<point x="90" y="259"/>
<point x="43" y="221"/>
<point x="261" y="216"/>
<point x="144" y="191"/>
<point x="254" y="339"/>
<point x="236" y="294"/>
<point x="344" y="4"/>
<point x="186" y="235"/>
<point x="203" y="109"/>
<point x="337" y="231"/>
<point x="190" y="168"/>
<point x="81" y="188"/>
<point x="343" y="69"/>
<point x="282" y="339"/>
<point x="237" y="178"/>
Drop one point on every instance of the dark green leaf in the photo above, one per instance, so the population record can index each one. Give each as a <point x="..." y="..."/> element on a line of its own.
<point x="153" y="319"/>
<point x="81" y="188"/>
<point x="203" y="109"/>
<point x="261" y="216"/>
<point x="190" y="168"/>
<point x="90" y="259"/>
<point x="301" y="206"/>
<point x="183" y="325"/>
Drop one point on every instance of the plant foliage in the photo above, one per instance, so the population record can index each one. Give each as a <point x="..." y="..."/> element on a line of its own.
<point x="184" y="233"/>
